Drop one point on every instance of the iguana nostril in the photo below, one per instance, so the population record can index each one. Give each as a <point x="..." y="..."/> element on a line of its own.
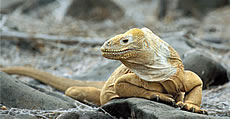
<point x="108" y="43"/>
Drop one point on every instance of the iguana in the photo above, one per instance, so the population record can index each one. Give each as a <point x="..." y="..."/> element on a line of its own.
<point x="150" y="69"/>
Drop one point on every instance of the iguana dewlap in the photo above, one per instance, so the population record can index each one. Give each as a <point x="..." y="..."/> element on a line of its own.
<point x="151" y="69"/>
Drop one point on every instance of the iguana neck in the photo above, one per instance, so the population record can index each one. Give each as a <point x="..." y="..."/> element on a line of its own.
<point x="154" y="67"/>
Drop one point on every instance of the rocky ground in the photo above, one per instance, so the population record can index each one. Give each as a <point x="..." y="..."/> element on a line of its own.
<point x="45" y="35"/>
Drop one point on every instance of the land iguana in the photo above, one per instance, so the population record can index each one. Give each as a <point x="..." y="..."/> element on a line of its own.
<point x="150" y="69"/>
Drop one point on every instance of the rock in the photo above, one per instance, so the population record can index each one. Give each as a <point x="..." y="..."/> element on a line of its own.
<point x="6" y="116"/>
<point x="205" y="65"/>
<point x="145" y="109"/>
<point x="59" y="114"/>
<point x="95" y="10"/>
<point x="18" y="95"/>
<point x="196" y="8"/>
<point x="85" y="115"/>
<point x="217" y="100"/>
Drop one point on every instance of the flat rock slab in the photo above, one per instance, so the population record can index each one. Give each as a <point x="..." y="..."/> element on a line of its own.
<point x="138" y="108"/>
<point x="16" y="94"/>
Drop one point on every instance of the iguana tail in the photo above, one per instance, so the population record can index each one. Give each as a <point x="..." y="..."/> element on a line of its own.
<point x="57" y="82"/>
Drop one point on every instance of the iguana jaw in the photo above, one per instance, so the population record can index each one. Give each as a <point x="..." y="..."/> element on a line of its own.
<point x="123" y="46"/>
<point x="118" y="54"/>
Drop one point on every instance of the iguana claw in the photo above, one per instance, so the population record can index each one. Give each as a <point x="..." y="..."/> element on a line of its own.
<point x="191" y="108"/>
<point x="157" y="99"/>
<point x="173" y="103"/>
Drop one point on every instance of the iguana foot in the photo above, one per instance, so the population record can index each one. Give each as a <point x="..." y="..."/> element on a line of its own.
<point x="191" y="107"/>
<point x="163" y="97"/>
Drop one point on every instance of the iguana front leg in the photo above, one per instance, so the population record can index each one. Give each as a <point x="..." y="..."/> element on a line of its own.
<point x="193" y="93"/>
<point x="130" y="85"/>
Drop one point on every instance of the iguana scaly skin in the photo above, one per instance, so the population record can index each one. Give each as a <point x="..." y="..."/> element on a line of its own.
<point x="151" y="69"/>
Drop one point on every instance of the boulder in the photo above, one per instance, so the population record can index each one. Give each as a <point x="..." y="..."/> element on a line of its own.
<point x="139" y="108"/>
<point x="16" y="94"/>
<point x="207" y="67"/>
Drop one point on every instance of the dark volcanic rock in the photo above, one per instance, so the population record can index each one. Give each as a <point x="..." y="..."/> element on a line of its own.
<point x="18" y="95"/>
<point x="85" y="115"/>
<point x="145" y="109"/>
<point x="206" y="66"/>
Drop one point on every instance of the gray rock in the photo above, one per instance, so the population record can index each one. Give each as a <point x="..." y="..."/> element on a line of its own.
<point x="217" y="100"/>
<point x="85" y="115"/>
<point x="5" y="116"/>
<point x="145" y="109"/>
<point x="205" y="65"/>
<point x="18" y="95"/>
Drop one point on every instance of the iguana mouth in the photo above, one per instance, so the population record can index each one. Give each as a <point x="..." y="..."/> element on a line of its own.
<point x="112" y="53"/>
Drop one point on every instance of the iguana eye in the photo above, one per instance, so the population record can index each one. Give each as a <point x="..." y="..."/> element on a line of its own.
<point x="126" y="40"/>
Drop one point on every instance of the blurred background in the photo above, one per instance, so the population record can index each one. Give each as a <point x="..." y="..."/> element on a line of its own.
<point x="108" y="17"/>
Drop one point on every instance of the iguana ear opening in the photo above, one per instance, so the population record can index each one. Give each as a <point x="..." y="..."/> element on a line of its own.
<point x="145" y="44"/>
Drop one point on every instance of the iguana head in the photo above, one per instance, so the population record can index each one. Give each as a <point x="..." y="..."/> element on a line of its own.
<point x="144" y="53"/>
<point x="124" y="46"/>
